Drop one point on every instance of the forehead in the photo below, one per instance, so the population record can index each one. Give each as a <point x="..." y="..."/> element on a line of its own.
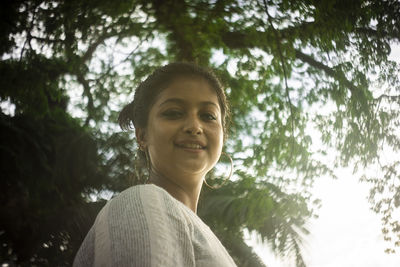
<point x="190" y="90"/>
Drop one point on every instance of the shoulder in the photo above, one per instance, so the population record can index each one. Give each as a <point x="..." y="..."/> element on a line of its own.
<point x="149" y="200"/>
<point x="145" y="208"/>
<point x="140" y="194"/>
<point x="142" y="226"/>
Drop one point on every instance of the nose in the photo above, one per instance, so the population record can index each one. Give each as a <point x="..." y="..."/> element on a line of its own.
<point x="193" y="125"/>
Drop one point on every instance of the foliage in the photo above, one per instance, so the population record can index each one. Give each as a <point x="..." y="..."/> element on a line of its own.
<point x="246" y="203"/>
<point x="288" y="66"/>
<point x="47" y="164"/>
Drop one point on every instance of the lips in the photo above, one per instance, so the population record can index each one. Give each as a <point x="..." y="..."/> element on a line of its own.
<point x="190" y="145"/>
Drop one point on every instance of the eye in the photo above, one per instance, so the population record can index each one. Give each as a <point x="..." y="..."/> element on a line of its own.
<point x="172" y="114"/>
<point x="208" y="117"/>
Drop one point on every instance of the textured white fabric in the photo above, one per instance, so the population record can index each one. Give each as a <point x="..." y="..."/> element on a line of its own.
<point x="145" y="226"/>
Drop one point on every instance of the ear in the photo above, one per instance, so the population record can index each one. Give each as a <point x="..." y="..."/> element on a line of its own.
<point x="141" y="138"/>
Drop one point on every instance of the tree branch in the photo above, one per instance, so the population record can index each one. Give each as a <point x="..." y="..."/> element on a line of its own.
<point x="239" y="39"/>
<point x="92" y="48"/>
<point x="239" y="247"/>
<point x="179" y="35"/>
<point x="282" y="59"/>
<point x="108" y="33"/>
<point x="376" y="34"/>
<point x="29" y="30"/>
<point x="48" y="40"/>
<point x="338" y="75"/>
<point x="390" y="97"/>
<point x="88" y="94"/>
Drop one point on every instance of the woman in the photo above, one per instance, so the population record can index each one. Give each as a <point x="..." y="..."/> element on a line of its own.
<point x="179" y="113"/>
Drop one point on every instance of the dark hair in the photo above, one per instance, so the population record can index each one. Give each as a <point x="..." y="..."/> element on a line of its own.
<point x="136" y="113"/>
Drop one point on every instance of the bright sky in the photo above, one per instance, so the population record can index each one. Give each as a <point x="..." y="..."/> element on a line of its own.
<point x="347" y="233"/>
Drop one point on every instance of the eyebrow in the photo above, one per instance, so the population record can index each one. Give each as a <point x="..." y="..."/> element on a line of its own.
<point x="182" y="102"/>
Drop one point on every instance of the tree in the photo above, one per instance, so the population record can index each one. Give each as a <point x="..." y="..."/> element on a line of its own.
<point x="280" y="60"/>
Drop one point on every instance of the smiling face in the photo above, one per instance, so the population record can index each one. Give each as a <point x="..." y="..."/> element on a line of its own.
<point x="184" y="133"/>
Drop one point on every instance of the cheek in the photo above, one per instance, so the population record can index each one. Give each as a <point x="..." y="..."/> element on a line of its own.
<point x="218" y="138"/>
<point x="161" y="134"/>
<point x="155" y="138"/>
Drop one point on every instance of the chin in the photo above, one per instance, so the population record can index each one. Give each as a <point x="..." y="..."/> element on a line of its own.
<point x="193" y="170"/>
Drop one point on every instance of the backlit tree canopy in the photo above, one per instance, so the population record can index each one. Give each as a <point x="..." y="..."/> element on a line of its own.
<point x="311" y="87"/>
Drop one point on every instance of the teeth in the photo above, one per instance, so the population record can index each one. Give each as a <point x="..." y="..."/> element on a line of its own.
<point x="192" y="146"/>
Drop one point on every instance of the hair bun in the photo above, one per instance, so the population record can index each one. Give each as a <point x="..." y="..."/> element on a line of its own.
<point x="125" y="118"/>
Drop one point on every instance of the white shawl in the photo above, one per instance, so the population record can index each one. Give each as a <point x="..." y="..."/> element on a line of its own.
<point x="145" y="226"/>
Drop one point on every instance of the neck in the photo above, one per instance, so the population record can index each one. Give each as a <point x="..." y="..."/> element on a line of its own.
<point x="187" y="194"/>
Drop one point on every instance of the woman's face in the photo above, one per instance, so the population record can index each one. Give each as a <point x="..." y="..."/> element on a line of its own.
<point x="184" y="134"/>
